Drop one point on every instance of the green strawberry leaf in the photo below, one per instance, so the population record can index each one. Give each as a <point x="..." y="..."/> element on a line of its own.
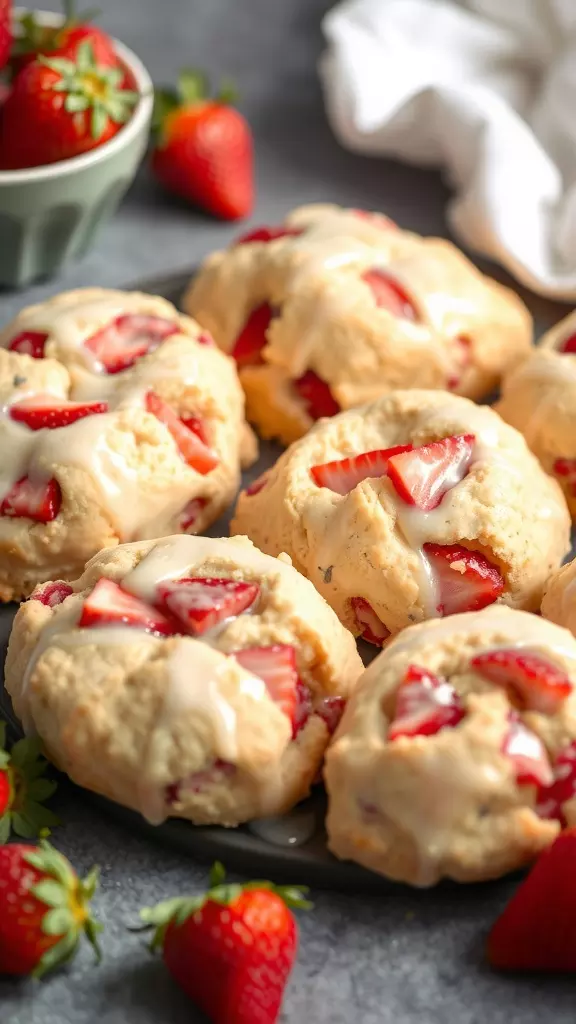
<point x="26" y="751"/>
<point x="57" y="921"/>
<point x="192" y="86"/>
<point x="165" y="101"/>
<point x="59" y="954"/>
<point x="51" y="893"/>
<point x="5" y="825"/>
<point x="75" y="103"/>
<point x="22" y="826"/>
<point x="41" y="789"/>
<point x="227" y="93"/>
<point x="98" y="121"/>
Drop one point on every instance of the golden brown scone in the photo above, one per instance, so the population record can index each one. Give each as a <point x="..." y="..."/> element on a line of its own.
<point x="339" y="306"/>
<point x="559" y="602"/>
<point x="456" y="756"/>
<point x="370" y="539"/>
<point x="94" y="386"/>
<point x="539" y="399"/>
<point x="134" y="690"/>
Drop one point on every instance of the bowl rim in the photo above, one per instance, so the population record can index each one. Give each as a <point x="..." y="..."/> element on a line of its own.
<point x="140" y="117"/>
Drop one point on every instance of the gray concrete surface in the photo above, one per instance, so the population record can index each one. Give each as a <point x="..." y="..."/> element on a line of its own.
<point x="408" y="957"/>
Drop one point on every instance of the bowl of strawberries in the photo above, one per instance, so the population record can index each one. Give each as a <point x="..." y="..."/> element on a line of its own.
<point x="75" y="113"/>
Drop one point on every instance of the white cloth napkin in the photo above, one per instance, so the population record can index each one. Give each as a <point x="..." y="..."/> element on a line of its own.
<point x="486" y="88"/>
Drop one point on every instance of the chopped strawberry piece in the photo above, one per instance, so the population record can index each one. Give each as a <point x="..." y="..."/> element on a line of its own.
<point x="537" y="929"/>
<point x="532" y="682"/>
<point x="268" y="234"/>
<point x="343" y="475"/>
<point x="425" y="704"/>
<point x="303" y="708"/>
<point x="40" y="501"/>
<point x="527" y="752"/>
<point x="561" y="788"/>
<point x="192" y="512"/>
<point x="257" y="485"/>
<point x="52" y="594"/>
<point x="108" y="604"/>
<point x="423" y="475"/>
<point x="205" y="338"/>
<point x="130" y="336"/>
<point x="191" y="447"/>
<point x="568" y="346"/>
<point x="370" y="626"/>
<point x="330" y="710"/>
<point x="464" y="355"/>
<point x="196" y="425"/>
<point x="567" y="468"/>
<point x="46" y="411"/>
<point x="200" y="603"/>
<point x="198" y="781"/>
<point x="316" y="395"/>
<point x="389" y="294"/>
<point x="276" y="665"/>
<point x="248" y="347"/>
<point x="29" y="343"/>
<point x="466" y="580"/>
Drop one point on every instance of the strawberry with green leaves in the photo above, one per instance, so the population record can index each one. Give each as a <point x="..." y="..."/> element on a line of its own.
<point x="204" y="148"/>
<point x="44" y="909"/>
<point x="232" y="948"/>
<point x="35" y="39"/>
<point x="60" y="107"/>
<point x="22" y="789"/>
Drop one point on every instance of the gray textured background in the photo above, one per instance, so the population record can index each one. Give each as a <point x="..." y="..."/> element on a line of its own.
<point x="410" y="957"/>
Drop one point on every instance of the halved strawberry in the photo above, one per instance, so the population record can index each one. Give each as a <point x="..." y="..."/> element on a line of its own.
<point x="192" y="511"/>
<point x="316" y="395"/>
<point x="191" y="447"/>
<point x="466" y="580"/>
<point x="46" y="411"/>
<point x="568" y="346"/>
<point x="390" y="294"/>
<point x="527" y="752"/>
<point x="532" y="681"/>
<point x="248" y="347"/>
<point x="537" y="929"/>
<point x="130" y="336"/>
<point x="276" y="665"/>
<point x="37" y="500"/>
<point x="423" y="475"/>
<point x="567" y="468"/>
<point x="201" y="603"/>
<point x="29" y="343"/>
<point x="371" y="627"/>
<point x="268" y="234"/>
<point x="561" y="788"/>
<point x="330" y="710"/>
<point x="52" y="594"/>
<point x="425" y="704"/>
<point x="343" y="475"/>
<point x="108" y="604"/>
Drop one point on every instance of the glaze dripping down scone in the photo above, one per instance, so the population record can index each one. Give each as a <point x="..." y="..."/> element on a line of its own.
<point x="418" y="505"/>
<point x="338" y="306"/>
<point x="120" y="420"/>
<point x="456" y="756"/>
<point x="539" y="399"/>
<point x="184" y="677"/>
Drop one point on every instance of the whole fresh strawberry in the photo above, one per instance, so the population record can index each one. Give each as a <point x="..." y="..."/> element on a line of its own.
<point x="5" y="31"/>
<point x="204" y="148"/>
<point x="59" y="108"/>
<point x="537" y="929"/>
<point x="35" y="39"/>
<point x="231" y="949"/>
<point x="22" y="789"/>
<point x="44" y="909"/>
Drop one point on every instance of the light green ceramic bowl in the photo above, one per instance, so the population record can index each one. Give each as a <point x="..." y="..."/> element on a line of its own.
<point x="49" y="215"/>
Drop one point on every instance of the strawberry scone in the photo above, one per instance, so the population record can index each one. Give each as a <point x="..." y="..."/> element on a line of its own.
<point x="456" y="756"/>
<point x="539" y="399"/>
<point x="119" y="420"/>
<point x="559" y="602"/>
<point x="419" y="505"/>
<point x="186" y="676"/>
<point x="337" y="306"/>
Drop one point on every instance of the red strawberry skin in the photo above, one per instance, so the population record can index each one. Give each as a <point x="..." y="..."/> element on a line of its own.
<point x="252" y="338"/>
<point x="316" y="395"/>
<point x="537" y="929"/>
<point x="50" y="413"/>
<point x="205" y="155"/>
<point x="343" y="475"/>
<point x="108" y="604"/>
<point x="22" y="941"/>
<point x="38" y="501"/>
<point x="5" y="31"/>
<point x="424" y="475"/>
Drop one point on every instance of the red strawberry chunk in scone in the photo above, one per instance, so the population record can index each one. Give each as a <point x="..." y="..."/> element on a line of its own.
<point x="423" y="475"/>
<point x="192" y="512"/>
<point x="555" y="792"/>
<point x="316" y="395"/>
<point x="39" y="500"/>
<point x="425" y="704"/>
<point x="566" y="468"/>
<point x="330" y="710"/>
<point x="389" y="294"/>
<point x="108" y="604"/>
<point x="202" y="603"/>
<point x="466" y="580"/>
<point x="343" y="475"/>
<point x="532" y="682"/>
<point x="276" y="666"/>
<point x="568" y="346"/>
<point x="268" y="234"/>
<point x="191" y="447"/>
<point x="527" y="752"/>
<point x="46" y="411"/>
<point x="371" y="628"/>
<point x="29" y="343"/>
<point x="247" y="350"/>
<point x="129" y="337"/>
<point x="52" y="594"/>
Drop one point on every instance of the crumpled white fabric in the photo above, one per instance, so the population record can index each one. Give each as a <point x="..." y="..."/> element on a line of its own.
<point x="485" y="88"/>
